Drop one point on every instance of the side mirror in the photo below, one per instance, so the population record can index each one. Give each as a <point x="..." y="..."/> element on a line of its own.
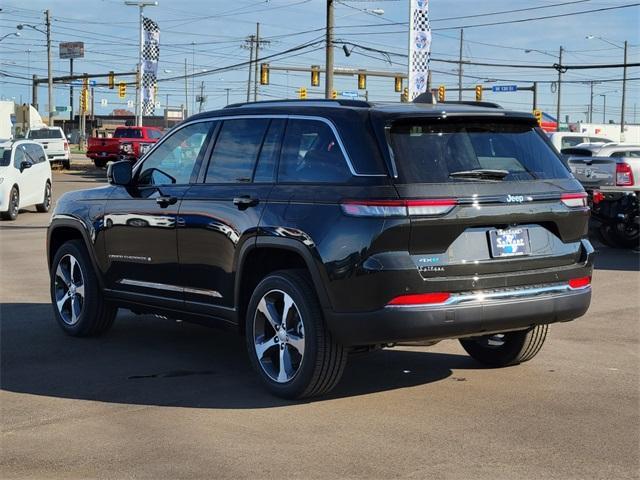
<point x="24" y="165"/>
<point x="120" y="173"/>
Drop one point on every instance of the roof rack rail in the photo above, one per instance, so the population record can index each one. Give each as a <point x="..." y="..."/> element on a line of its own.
<point x="472" y="103"/>
<point x="308" y="102"/>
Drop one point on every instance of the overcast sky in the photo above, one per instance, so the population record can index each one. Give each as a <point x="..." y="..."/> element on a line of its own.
<point x="210" y="35"/>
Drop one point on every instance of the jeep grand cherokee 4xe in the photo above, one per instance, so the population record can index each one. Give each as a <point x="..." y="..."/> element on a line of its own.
<point x="317" y="228"/>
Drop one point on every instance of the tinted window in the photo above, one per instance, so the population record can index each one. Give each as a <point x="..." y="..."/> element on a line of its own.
<point x="174" y="160"/>
<point x="236" y="150"/>
<point x="35" y="153"/>
<point x="45" y="133"/>
<point x="154" y="133"/>
<point x="127" y="133"/>
<point x="5" y="156"/>
<point x="626" y="153"/>
<point x="265" y="170"/>
<point x="429" y="152"/>
<point x="571" y="141"/>
<point x="599" y="140"/>
<point x="311" y="153"/>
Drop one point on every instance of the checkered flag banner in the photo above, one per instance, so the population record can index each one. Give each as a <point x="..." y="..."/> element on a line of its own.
<point x="149" y="66"/>
<point x="419" y="47"/>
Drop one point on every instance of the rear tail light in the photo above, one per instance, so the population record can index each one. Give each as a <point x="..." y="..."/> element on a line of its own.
<point x="624" y="175"/>
<point x="66" y="145"/>
<point x="598" y="196"/>
<point x="573" y="200"/>
<point x="577" y="283"/>
<point x="421" y="299"/>
<point x="398" y="208"/>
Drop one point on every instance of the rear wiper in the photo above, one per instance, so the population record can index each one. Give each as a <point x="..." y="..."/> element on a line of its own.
<point x="481" y="173"/>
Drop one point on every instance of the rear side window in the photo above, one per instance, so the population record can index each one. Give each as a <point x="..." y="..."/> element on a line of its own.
<point x="311" y="153"/>
<point x="45" y="134"/>
<point x="265" y="169"/>
<point x="236" y="150"/>
<point x="35" y="153"/>
<point x="627" y="153"/>
<point x="427" y="152"/>
<point x="5" y="156"/>
<point x="127" y="133"/>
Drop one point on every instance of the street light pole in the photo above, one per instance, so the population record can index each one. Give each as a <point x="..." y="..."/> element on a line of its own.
<point x="328" y="84"/>
<point x="559" y="87"/>
<point x="52" y="108"/>
<point x="140" y="4"/>
<point x="624" y="92"/>
<point x="604" y="108"/>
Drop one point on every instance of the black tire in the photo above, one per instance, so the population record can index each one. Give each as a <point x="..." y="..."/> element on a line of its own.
<point x="323" y="362"/>
<point x="46" y="203"/>
<point x="100" y="163"/>
<point x="506" y="349"/>
<point x="66" y="164"/>
<point x="14" y="205"/>
<point x="96" y="315"/>
<point x="620" y="236"/>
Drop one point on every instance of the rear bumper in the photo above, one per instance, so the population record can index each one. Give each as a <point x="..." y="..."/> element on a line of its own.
<point x="476" y="314"/>
<point x="100" y="156"/>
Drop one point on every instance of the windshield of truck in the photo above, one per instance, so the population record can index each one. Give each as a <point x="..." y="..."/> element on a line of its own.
<point x="127" y="133"/>
<point x="45" y="134"/>
<point x="456" y="150"/>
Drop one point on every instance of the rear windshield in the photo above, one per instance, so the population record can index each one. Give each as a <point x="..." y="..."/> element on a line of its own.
<point x="45" y="133"/>
<point x="429" y="152"/>
<point x="127" y="133"/>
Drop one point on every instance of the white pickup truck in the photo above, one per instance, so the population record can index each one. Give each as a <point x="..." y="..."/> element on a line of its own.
<point x="54" y="142"/>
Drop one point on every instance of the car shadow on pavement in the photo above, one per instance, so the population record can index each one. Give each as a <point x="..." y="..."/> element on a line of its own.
<point x="143" y="360"/>
<point x="617" y="259"/>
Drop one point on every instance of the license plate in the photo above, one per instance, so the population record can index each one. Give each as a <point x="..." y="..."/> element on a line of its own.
<point x="509" y="242"/>
<point x="103" y="154"/>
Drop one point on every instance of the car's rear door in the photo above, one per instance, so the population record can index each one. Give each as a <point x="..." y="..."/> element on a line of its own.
<point x="221" y="213"/>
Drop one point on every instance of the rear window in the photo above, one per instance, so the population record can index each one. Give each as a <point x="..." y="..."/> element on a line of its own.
<point x="44" y="134"/>
<point x="5" y="156"/>
<point x="429" y="152"/>
<point x="127" y="133"/>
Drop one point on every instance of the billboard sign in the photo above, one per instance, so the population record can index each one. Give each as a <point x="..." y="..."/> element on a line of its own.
<point x="71" y="49"/>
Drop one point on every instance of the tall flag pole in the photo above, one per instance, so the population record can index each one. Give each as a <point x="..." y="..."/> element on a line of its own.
<point x="419" y="47"/>
<point x="149" y="65"/>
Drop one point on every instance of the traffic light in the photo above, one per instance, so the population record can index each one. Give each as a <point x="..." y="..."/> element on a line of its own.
<point x="478" y="93"/>
<point x="264" y="74"/>
<point x="302" y="93"/>
<point x="122" y="90"/>
<point x="315" y="75"/>
<point x="334" y="94"/>
<point x="404" y="97"/>
<point x="112" y="80"/>
<point x="442" y="92"/>
<point x="84" y="100"/>
<point x="362" y="81"/>
<point x="398" y="84"/>
<point x="538" y="115"/>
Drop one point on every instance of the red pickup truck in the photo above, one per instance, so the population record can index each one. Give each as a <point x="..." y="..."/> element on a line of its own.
<point x="127" y="143"/>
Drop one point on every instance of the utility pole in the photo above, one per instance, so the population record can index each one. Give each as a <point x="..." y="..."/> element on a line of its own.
<point x="71" y="89"/>
<point x="559" y="87"/>
<point x="624" y="92"/>
<point x="535" y="95"/>
<point x="604" y="108"/>
<point x="193" y="77"/>
<point x="52" y="107"/>
<point x="249" y="42"/>
<point x="460" y="67"/>
<point x="34" y="92"/>
<point x="186" y="91"/>
<point x="255" y="64"/>
<point x="591" y="101"/>
<point x="201" y="100"/>
<point x="328" y="83"/>
<point x="227" y="90"/>
<point x="140" y="4"/>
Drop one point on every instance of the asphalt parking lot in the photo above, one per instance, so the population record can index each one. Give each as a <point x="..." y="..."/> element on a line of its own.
<point x="159" y="399"/>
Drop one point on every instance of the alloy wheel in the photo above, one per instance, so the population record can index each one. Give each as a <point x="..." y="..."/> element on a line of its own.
<point x="69" y="289"/>
<point x="278" y="336"/>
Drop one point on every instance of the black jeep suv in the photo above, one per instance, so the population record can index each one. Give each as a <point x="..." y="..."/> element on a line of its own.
<point x="317" y="228"/>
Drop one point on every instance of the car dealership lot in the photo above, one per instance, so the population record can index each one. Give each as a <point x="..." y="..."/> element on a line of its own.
<point x="155" y="398"/>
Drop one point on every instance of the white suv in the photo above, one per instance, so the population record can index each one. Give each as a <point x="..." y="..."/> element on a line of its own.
<point x="54" y="142"/>
<point x="25" y="178"/>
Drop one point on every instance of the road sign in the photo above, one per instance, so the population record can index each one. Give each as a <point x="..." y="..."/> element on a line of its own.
<point x="80" y="83"/>
<point x="130" y="103"/>
<point x="63" y="109"/>
<point x="504" y="88"/>
<point x="349" y="94"/>
<point x="71" y="49"/>
<point x="103" y="102"/>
